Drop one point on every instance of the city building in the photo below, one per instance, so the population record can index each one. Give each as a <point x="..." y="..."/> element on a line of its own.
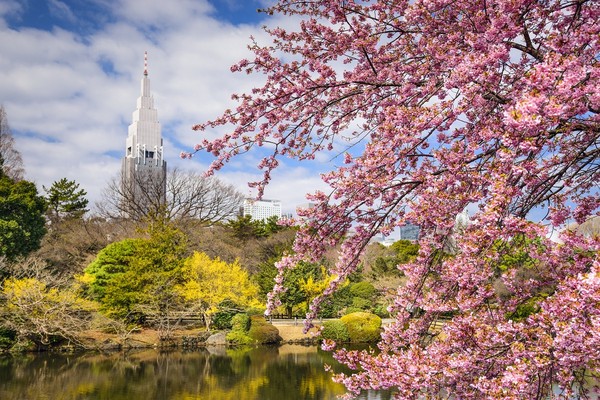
<point x="144" y="170"/>
<point x="261" y="209"/>
<point x="409" y="232"/>
<point x="406" y="232"/>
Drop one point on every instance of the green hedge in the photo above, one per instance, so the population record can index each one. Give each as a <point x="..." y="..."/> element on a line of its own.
<point x="240" y="322"/>
<point x="352" y="310"/>
<point x="361" y="304"/>
<point x="222" y="319"/>
<point x="335" y="330"/>
<point x="362" y="326"/>
<point x="252" y="330"/>
<point x="263" y="332"/>
<point x="239" y="338"/>
<point x="364" y="290"/>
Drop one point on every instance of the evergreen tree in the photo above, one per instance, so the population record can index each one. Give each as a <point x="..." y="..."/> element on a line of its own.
<point x="22" y="223"/>
<point x="135" y="279"/>
<point x="245" y="228"/>
<point x="65" y="200"/>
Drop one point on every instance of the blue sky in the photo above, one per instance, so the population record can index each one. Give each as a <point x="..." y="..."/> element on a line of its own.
<point x="70" y="75"/>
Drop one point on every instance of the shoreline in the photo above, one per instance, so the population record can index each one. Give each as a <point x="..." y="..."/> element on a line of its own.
<point x="184" y="338"/>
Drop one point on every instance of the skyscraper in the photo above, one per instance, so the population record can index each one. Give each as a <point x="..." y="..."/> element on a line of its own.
<point x="144" y="171"/>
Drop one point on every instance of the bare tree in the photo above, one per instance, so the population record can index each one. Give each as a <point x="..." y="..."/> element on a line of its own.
<point x="10" y="158"/>
<point x="40" y="306"/>
<point x="189" y="196"/>
<point x="71" y="244"/>
<point x="31" y="267"/>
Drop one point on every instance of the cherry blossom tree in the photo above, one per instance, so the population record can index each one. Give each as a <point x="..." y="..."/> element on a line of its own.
<point x="442" y="105"/>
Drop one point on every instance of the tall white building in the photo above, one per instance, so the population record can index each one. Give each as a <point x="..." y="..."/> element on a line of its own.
<point x="144" y="170"/>
<point x="262" y="209"/>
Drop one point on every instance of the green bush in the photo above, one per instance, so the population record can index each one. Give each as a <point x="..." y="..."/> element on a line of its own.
<point x="352" y="310"/>
<point x="328" y="310"/>
<point x="336" y="304"/>
<point x="262" y="332"/>
<point x="362" y="326"/>
<point x="527" y="308"/>
<point x="240" y="322"/>
<point x="255" y="311"/>
<point x="335" y="330"/>
<point x="222" y="319"/>
<point x="381" y="311"/>
<point x="361" y="304"/>
<point x="239" y="338"/>
<point x="364" y="290"/>
<point x="7" y="338"/>
<point x="252" y="330"/>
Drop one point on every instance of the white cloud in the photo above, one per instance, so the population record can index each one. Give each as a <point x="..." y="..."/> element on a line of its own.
<point x="10" y="8"/>
<point x="69" y="98"/>
<point x="61" y="10"/>
<point x="160" y="14"/>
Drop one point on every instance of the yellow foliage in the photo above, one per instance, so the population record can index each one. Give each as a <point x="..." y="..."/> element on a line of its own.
<point x="36" y="311"/>
<point x="85" y="278"/>
<point x="31" y="295"/>
<point x="209" y="282"/>
<point x="314" y="288"/>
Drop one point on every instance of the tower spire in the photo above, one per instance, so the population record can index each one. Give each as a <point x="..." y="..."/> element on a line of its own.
<point x="144" y="169"/>
<point x="145" y="63"/>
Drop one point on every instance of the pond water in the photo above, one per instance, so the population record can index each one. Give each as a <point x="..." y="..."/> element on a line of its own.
<point x="285" y="372"/>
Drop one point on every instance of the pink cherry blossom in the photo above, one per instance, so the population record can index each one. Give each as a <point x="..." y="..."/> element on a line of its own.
<point x="491" y="104"/>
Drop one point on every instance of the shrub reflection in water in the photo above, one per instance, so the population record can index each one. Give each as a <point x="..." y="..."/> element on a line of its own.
<point x="286" y="372"/>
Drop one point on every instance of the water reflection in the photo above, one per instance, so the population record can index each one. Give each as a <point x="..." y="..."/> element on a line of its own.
<point x="286" y="372"/>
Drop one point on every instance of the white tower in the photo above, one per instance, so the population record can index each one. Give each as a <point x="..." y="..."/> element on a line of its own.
<point x="143" y="168"/>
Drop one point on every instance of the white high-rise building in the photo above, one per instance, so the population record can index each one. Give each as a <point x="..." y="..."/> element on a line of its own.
<point x="262" y="209"/>
<point x="144" y="170"/>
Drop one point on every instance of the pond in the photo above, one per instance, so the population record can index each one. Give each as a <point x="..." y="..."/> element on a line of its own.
<point x="285" y="372"/>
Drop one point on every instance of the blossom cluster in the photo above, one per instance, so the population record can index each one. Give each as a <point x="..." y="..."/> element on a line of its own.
<point x="487" y="104"/>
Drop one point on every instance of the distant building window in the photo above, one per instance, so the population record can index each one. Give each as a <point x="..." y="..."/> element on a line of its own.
<point x="262" y="209"/>
<point x="129" y="151"/>
<point x="149" y="154"/>
<point x="410" y="232"/>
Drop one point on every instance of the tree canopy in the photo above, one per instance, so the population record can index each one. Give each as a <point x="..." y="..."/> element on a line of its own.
<point x="245" y="228"/>
<point x="65" y="199"/>
<point x="180" y="196"/>
<point x="111" y="261"/>
<point x="443" y="105"/>
<point x="22" y="223"/>
<point x="210" y="282"/>
<point x="137" y="277"/>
